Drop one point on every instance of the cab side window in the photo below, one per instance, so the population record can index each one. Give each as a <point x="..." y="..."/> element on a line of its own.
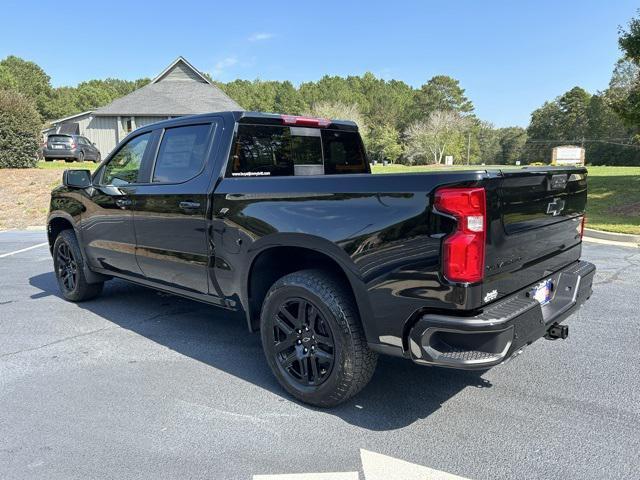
<point x="124" y="166"/>
<point x="182" y="153"/>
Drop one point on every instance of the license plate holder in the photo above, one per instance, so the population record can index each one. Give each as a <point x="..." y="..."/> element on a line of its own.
<point x="543" y="292"/>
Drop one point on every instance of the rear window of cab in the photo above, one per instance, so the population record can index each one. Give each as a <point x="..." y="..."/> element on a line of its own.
<point x="277" y="151"/>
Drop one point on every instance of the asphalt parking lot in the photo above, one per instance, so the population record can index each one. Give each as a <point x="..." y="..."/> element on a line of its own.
<point x="138" y="384"/>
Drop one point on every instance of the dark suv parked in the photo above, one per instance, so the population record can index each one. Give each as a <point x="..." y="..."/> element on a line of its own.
<point x="70" y="148"/>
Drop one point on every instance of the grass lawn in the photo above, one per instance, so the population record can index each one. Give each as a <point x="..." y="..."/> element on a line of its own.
<point x="613" y="199"/>
<point x="62" y="165"/>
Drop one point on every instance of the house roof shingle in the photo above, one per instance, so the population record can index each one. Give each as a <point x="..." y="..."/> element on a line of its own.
<point x="171" y="98"/>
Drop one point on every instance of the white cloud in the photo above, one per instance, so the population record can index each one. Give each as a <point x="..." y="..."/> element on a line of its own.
<point x="223" y="65"/>
<point x="258" y="37"/>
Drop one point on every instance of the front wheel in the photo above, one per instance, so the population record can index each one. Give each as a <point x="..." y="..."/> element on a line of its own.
<point x="313" y="339"/>
<point x="69" y="269"/>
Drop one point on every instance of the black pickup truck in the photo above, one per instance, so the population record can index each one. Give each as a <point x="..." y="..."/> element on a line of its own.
<point x="279" y="217"/>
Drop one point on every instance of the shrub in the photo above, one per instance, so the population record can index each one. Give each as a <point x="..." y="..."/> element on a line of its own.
<point x="19" y="131"/>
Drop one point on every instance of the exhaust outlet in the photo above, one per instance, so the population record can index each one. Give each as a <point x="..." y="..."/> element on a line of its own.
<point x="557" y="331"/>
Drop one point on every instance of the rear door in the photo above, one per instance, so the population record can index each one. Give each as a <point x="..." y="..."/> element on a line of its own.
<point x="171" y="207"/>
<point x="535" y="220"/>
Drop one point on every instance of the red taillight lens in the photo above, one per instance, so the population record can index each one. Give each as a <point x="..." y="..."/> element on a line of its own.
<point x="305" y="121"/>
<point x="463" y="250"/>
<point x="582" y="224"/>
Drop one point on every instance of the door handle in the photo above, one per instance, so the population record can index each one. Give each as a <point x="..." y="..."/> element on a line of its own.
<point x="189" y="205"/>
<point x="124" y="202"/>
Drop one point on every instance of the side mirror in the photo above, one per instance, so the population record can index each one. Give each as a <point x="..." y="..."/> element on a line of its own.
<point x="76" y="178"/>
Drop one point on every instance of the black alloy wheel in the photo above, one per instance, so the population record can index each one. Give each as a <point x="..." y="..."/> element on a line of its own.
<point x="303" y="342"/>
<point x="313" y="339"/>
<point x="67" y="267"/>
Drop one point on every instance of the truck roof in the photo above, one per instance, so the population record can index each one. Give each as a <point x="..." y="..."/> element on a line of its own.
<point x="268" y="119"/>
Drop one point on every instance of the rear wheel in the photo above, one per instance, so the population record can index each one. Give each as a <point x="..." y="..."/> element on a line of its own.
<point x="98" y="158"/>
<point x="81" y="157"/>
<point x="69" y="269"/>
<point x="313" y="339"/>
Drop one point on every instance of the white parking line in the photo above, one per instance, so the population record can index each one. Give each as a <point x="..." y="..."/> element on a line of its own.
<point x="375" y="467"/>
<point x="382" y="467"/>
<point x="310" y="476"/>
<point x="24" y="249"/>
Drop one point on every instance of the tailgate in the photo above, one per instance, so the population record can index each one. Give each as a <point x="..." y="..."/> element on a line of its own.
<point x="535" y="219"/>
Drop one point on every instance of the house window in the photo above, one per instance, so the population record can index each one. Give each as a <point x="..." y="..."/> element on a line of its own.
<point x="127" y="125"/>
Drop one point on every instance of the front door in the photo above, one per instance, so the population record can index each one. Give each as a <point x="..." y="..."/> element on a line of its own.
<point x="107" y="222"/>
<point x="170" y="209"/>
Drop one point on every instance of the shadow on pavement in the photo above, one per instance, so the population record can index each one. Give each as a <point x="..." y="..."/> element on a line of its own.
<point x="399" y="393"/>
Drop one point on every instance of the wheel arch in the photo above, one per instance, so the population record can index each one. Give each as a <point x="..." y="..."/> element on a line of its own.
<point x="275" y="256"/>
<point x="59" y="221"/>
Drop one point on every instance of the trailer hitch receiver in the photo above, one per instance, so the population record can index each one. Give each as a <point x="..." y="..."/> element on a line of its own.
<point x="557" y="331"/>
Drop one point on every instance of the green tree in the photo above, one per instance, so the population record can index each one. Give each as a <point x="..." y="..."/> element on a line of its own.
<point x="574" y="106"/>
<point x="609" y="135"/>
<point x="623" y="93"/>
<point x="512" y="141"/>
<point x="20" y="125"/>
<point x="26" y="78"/>
<point x="441" y="93"/>
<point x="488" y="147"/>
<point x="441" y="134"/>
<point x="625" y="99"/>
<point x="629" y="40"/>
<point x="341" y="111"/>
<point x="385" y="143"/>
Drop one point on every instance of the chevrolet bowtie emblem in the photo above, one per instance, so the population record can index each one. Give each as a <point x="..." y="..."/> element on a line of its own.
<point x="555" y="208"/>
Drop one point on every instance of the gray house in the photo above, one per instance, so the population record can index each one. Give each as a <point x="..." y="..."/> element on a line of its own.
<point x="180" y="89"/>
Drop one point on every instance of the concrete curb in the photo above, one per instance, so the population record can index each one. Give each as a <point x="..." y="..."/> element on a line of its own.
<point x="611" y="237"/>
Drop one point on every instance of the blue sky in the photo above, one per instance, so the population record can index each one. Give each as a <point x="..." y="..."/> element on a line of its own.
<point x="509" y="56"/>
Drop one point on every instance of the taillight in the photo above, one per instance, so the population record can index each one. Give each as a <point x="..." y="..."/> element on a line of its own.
<point x="73" y="145"/>
<point x="305" y="121"/>
<point x="582" y="224"/>
<point x="463" y="250"/>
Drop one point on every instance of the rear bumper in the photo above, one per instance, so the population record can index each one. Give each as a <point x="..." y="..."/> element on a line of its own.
<point x="59" y="153"/>
<point x="503" y="328"/>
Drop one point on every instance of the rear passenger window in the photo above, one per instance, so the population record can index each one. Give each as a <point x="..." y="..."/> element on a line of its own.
<point x="182" y="153"/>
<point x="266" y="150"/>
<point x="261" y="151"/>
<point x="343" y="153"/>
